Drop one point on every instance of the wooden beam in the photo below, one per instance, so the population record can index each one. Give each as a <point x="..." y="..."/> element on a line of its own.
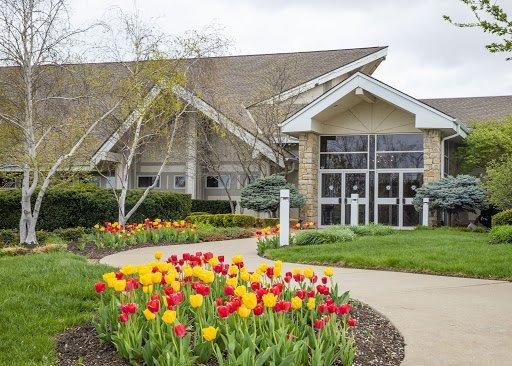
<point x="367" y="97"/>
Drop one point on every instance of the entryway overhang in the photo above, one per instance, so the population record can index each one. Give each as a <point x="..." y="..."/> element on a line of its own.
<point x="361" y="87"/>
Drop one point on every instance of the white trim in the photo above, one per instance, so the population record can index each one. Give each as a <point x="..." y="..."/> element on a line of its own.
<point x="327" y="76"/>
<point x="425" y="115"/>
<point x="148" y="176"/>
<point x="127" y="123"/>
<point x="218" y="117"/>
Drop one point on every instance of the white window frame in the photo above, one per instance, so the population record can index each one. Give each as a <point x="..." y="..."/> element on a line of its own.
<point x="148" y="176"/>
<point x="219" y="180"/>
<point x="184" y="179"/>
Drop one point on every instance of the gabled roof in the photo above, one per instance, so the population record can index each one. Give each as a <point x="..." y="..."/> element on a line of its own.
<point x="426" y="116"/>
<point x="470" y="110"/>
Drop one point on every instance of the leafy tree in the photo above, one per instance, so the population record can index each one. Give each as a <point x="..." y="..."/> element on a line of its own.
<point x="497" y="184"/>
<point x="488" y="143"/>
<point x="453" y="194"/>
<point x="491" y="18"/>
<point x="263" y="194"/>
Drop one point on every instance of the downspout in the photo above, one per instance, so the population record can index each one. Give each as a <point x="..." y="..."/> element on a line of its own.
<point x="457" y="133"/>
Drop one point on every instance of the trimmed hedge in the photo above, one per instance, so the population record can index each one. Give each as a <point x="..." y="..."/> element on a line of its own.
<point x="502" y="218"/>
<point x="211" y="207"/>
<point x="88" y="205"/>
<point x="232" y="220"/>
<point x="501" y="234"/>
<point x="323" y="236"/>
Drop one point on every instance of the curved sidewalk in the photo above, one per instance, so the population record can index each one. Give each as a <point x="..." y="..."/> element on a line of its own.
<point x="445" y="320"/>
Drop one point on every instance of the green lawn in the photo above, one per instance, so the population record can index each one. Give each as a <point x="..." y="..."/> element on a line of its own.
<point x="440" y="251"/>
<point x="40" y="296"/>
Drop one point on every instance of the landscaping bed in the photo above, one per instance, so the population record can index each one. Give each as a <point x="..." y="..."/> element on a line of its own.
<point x="377" y="341"/>
<point x="440" y="251"/>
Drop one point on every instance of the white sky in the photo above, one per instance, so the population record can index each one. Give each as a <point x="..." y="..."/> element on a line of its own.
<point x="427" y="57"/>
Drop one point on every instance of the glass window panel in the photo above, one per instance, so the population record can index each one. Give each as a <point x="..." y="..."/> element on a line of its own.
<point x="388" y="185"/>
<point x="372" y="151"/>
<point x="411" y="217"/>
<point x="412" y="181"/>
<point x="399" y="160"/>
<point x="371" y="182"/>
<point x="388" y="215"/>
<point x="331" y="215"/>
<point x="361" y="215"/>
<point x="179" y="181"/>
<point x="355" y="183"/>
<point x="400" y="142"/>
<point x="147" y="181"/>
<point x="331" y="185"/>
<point x="352" y="143"/>
<point x="344" y="161"/>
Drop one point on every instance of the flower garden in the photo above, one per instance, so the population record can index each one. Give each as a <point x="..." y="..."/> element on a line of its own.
<point x="200" y="309"/>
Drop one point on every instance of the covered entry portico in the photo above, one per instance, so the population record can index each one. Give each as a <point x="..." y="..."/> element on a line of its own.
<point x="364" y="137"/>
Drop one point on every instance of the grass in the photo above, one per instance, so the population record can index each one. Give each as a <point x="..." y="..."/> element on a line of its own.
<point x="443" y="251"/>
<point x="42" y="295"/>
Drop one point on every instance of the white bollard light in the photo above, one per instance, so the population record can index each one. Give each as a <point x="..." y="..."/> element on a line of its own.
<point x="425" y="212"/>
<point x="354" y="209"/>
<point x="284" y="216"/>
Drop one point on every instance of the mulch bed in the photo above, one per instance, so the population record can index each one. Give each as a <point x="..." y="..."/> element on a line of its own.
<point x="378" y="342"/>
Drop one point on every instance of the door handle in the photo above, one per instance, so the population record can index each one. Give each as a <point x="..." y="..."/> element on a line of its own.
<point x="340" y="200"/>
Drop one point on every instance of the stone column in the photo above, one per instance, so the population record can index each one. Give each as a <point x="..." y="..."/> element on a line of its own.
<point x="432" y="155"/>
<point x="191" y="153"/>
<point x="309" y="148"/>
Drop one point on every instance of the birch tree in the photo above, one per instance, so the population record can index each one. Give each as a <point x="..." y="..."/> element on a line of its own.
<point x="41" y="96"/>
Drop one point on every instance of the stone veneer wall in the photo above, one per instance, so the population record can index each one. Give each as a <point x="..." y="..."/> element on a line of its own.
<point x="432" y="155"/>
<point x="309" y="150"/>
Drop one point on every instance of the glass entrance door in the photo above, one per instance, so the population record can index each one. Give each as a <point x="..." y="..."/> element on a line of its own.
<point x="394" y="193"/>
<point x="335" y="194"/>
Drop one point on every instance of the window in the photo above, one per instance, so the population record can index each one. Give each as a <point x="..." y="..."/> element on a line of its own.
<point x="351" y="143"/>
<point x="144" y="181"/>
<point x="223" y="181"/>
<point x="399" y="151"/>
<point x="110" y="181"/>
<point x="179" y="181"/>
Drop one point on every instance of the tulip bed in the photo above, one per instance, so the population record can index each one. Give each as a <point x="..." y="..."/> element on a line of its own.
<point x="197" y="309"/>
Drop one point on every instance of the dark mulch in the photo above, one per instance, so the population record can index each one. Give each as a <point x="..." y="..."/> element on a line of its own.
<point x="82" y="346"/>
<point x="378" y="342"/>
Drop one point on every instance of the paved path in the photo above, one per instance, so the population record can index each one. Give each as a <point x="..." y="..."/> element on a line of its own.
<point x="445" y="320"/>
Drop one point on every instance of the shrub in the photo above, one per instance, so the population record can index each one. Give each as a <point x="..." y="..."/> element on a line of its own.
<point x="267" y="242"/>
<point x="223" y="233"/>
<point x="267" y="221"/>
<point x="372" y="230"/>
<point x="8" y="237"/>
<point x="198" y="213"/>
<point x="224" y="220"/>
<point x="212" y="207"/>
<point x="323" y="236"/>
<point x="502" y="218"/>
<point x="501" y="234"/>
<point x="72" y="233"/>
<point x="263" y="194"/>
<point x="195" y="323"/>
<point x="88" y="205"/>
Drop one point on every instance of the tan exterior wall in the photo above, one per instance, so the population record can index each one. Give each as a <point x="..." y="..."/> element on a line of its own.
<point x="432" y="155"/>
<point x="309" y="148"/>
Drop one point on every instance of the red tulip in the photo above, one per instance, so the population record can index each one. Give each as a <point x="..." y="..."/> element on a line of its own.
<point x="168" y="290"/>
<point x="208" y="256"/>
<point x="153" y="305"/>
<point x="258" y="310"/>
<point x="229" y="290"/>
<point x="324" y="280"/>
<point x="174" y="299"/>
<point x="255" y="286"/>
<point x="322" y="308"/>
<point x="351" y="322"/>
<point x="344" y="309"/>
<point x="186" y="256"/>
<point x="217" y="268"/>
<point x="129" y="308"/>
<point x="319" y="324"/>
<point x="314" y="279"/>
<point x="131" y="284"/>
<point x="180" y="330"/>
<point x="100" y="287"/>
<point x="311" y="293"/>
<point x="221" y="258"/>
<point x="199" y="254"/>
<point x="287" y="279"/>
<point x="223" y="311"/>
<point x="119" y="275"/>
<point x="270" y="272"/>
<point x="155" y="297"/>
<point x="331" y="308"/>
<point x="219" y="301"/>
<point x="301" y="294"/>
<point x="123" y="318"/>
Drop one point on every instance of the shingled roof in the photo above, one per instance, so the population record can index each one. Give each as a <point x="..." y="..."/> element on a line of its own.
<point x="471" y="110"/>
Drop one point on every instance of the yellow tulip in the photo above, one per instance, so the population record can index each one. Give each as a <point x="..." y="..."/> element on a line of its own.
<point x="187" y="271"/>
<point x="109" y="276"/>
<point x="237" y="259"/>
<point x="243" y="311"/>
<point x="296" y="303"/>
<point x="328" y="271"/>
<point x="120" y="285"/>
<point x="209" y="333"/>
<point x="250" y="300"/>
<point x="255" y="277"/>
<point x="269" y="300"/>
<point x="157" y="277"/>
<point x="233" y="281"/>
<point x="208" y="276"/>
<point x="149" y="315"/>
<point x="169" y="316"/>
<point x="244" y="275"/>
<point x="213" y="261"/>
<point x="146" y="279"/>
<point x="308" y="272"/>
<point x="147" y="289"/>
<point x="176" y="285"/>
<point x="311" y="303"/>
<point x="197" y="271"/>
<point x="232" y="270"/>
<point x="240" y="290"/>
<point x="196" y="300"/>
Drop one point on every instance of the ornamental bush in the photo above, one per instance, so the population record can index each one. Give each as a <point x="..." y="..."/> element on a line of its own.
<point x="502" y="218"/>
<point x="372" y="230"/>
<point x="87" y="205"/>
<point x="197" y="309"/>
<point x="232" y="220"/>
<point x="333" y="234"/>
<point x="501" y="234"/>
<point x="263" y="194"/>
<point x="211" y="207"/>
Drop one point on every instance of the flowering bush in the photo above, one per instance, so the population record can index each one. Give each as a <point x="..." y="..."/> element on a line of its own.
<point x="198" y="309"/>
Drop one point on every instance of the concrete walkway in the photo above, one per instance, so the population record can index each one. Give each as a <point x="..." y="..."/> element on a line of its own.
<point x="445" y="320"/>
